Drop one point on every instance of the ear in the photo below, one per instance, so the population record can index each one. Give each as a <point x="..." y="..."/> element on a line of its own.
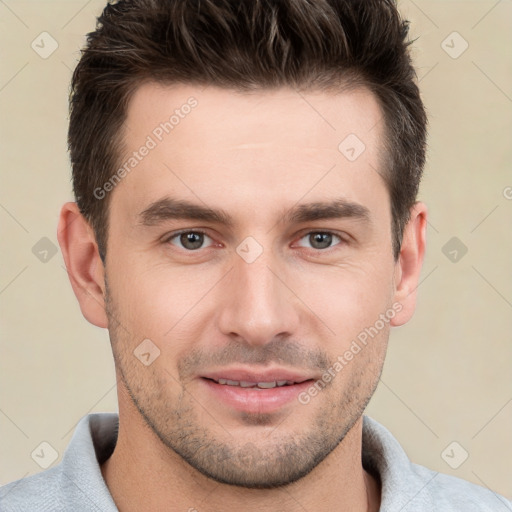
<point x="83" y="263"/>
<point x="410" y="261"/>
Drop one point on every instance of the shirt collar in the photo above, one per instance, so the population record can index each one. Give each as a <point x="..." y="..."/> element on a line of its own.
<point x="95" y="437"/>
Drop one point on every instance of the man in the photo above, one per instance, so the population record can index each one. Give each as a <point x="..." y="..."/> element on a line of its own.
<point x="247" y="229"/>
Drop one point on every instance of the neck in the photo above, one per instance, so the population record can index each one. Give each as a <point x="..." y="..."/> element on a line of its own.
<point x="143" y="474"/>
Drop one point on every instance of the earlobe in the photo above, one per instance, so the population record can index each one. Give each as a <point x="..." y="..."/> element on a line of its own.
<point x="410" y="262"/>
<point x="83" y="263"/>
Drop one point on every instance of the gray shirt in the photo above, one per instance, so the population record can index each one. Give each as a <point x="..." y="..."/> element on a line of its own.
<point x="76" y="483"/>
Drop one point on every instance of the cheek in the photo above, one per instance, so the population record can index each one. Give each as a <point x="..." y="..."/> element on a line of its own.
<point x="347" y="297"/>
<point x="169" y="302"/>
<point x="164" y="304"/>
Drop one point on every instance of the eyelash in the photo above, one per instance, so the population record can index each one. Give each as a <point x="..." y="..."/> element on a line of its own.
<point x="328" y="249"/>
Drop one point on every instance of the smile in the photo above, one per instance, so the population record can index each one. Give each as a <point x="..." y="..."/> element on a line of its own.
<point x="249" y="391"/>
<point x="258" y="385"/>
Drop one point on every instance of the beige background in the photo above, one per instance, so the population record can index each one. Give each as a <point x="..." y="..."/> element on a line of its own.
<point x="448" y="374"/>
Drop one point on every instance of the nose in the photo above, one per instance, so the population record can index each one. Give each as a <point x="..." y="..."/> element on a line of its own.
<point x="257" y="304"/>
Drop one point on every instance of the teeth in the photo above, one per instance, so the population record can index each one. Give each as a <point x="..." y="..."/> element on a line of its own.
<point x="267" y="385"/>
<point x="245" y="384"/>
<point x="261" y="385"/>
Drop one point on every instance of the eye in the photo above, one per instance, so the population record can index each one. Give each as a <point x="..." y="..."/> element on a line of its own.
<point x="320" y="240"/>
<point x="188" y="240"/>
<point x="193" y="240"/>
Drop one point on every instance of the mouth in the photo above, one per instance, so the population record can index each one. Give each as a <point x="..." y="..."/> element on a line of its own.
<point x="255" y="392"/>
<point x="257" y="385"/>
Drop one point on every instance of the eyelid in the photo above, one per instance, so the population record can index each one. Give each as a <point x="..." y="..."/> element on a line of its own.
<point x="342" y="234"/>
<point x="168" y="236"/>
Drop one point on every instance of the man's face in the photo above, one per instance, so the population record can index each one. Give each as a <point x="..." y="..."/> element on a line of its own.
<point x="271" y="297"/>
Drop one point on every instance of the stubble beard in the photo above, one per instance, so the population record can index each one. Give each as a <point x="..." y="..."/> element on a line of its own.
<point x="284" y="452"/>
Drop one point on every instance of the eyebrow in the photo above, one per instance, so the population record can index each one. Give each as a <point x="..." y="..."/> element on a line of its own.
<point x="168" y="208"/>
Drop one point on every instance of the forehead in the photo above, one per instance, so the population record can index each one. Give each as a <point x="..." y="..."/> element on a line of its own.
<point x="252" y="117"/>
<point x="247" y="148"/>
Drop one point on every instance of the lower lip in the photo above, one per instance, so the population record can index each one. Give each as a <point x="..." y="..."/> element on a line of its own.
<point x="255" y="400"/>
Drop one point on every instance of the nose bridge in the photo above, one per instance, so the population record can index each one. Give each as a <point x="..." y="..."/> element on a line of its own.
<point x="258" y="305"/>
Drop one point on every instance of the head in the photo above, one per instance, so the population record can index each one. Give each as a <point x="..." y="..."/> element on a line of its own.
<point x="246" y="177"/>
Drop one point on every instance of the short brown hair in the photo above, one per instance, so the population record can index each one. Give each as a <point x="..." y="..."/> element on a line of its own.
<point x="242" y="45"/>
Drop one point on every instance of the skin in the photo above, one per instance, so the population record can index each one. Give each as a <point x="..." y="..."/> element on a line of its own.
<point x="297" y="306"/>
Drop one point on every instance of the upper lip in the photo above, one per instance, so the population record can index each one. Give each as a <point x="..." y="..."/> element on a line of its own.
<point x="250" y="375"/>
